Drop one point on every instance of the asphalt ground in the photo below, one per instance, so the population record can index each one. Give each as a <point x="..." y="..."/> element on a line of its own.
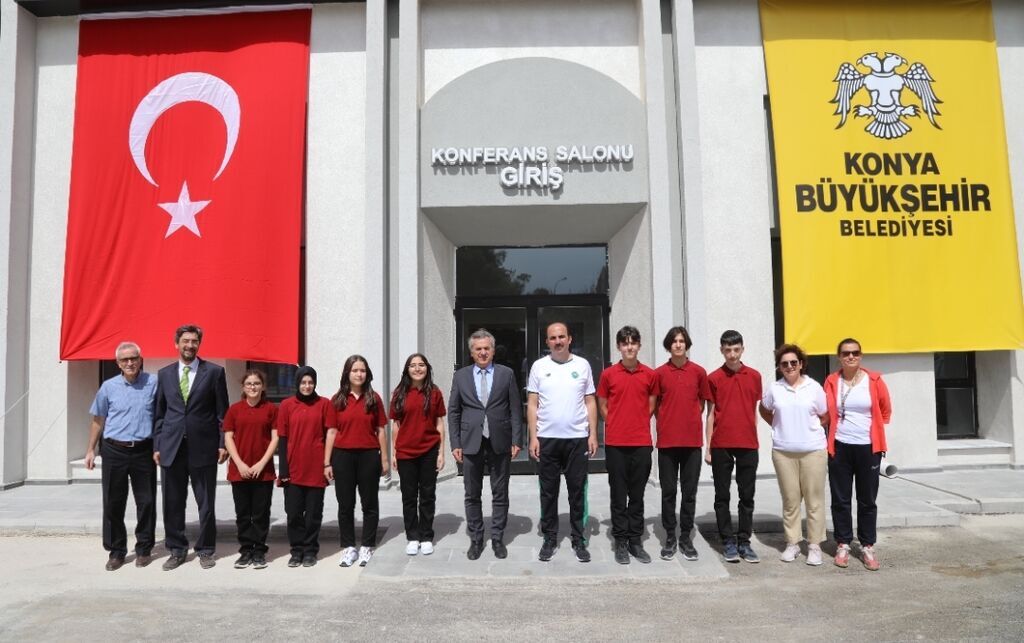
<point x="936" y="583"/>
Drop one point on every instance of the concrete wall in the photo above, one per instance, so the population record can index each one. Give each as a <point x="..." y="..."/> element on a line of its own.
<point x="51" y="419"/>
<point x="17" y="94"/>
<point x="437" y="283"/>
<point x="629" y="285"/>
<point x="344" y="255"/>
<point x="363" y="261"/>
<point x="460" y="35"/>
<point x="1009" y="376"/>
<point x="736" y="186"/>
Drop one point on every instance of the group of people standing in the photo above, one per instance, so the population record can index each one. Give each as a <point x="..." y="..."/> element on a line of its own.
<point x="181" y="420"/>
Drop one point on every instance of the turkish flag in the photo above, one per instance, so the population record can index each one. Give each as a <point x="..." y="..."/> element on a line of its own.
<point x="187" y="185"/>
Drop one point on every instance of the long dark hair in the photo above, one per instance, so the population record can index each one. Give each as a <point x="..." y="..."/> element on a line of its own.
<point x="261" y="376"/>
<point x="340" y="399"/>
<point x="398" y="397"/>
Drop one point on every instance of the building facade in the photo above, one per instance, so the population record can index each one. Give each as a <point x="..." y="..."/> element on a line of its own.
<point x="427" y="213"/>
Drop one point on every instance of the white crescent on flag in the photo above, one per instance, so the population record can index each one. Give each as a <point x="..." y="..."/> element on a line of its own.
<point x="182" y="88"/>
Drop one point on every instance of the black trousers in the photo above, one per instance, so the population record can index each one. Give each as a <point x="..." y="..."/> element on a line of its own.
<point x="473" y="480"/>
<point x="563" y="456"/>
<point x="357" y="468"/>
<point x="854" y="463"/>
<point x="252" y="514"/>
<point x="629" y="468"/>
<point x="679" y="468"/>
<point x="723" y="461"/>
<point x="305" y="509"/>
<point x="121" y="465"/>
<point x="176" y="478"/>
<point x="418" y="477"/>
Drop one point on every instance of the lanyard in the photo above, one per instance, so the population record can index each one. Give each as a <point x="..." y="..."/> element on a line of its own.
<point x="843" y="396"/>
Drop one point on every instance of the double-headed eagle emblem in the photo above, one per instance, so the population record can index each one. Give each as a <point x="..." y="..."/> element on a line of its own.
<point x="885" y="86"/>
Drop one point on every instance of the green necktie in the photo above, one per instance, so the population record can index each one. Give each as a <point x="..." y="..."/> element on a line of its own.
<point x="183" y="384"/>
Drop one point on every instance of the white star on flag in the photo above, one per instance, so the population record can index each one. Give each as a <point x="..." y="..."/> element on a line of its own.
<point x="183" y="212"/>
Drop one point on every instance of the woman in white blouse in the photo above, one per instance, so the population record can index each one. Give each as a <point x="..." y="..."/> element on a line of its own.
<point x="795" y="407"/>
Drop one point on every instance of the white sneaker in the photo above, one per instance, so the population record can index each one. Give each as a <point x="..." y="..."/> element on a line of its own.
<point x="790" y="553"/>
<point x="349" y="556"/>
<point x="365" y="554"/>
<point x="426" y="548"/>
<point x="412" y="548"/>
<point x="813" y="555"/>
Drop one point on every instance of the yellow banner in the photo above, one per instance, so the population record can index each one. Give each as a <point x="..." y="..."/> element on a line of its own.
<point x="893" y="182"/>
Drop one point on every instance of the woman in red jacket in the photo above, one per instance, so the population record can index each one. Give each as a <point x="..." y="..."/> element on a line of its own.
<point x="302" y="423"/>
<point x="251" y="439"/>
<point x="859" y="408"/>
<point x="358" y="459"/>
<point x="417" y="442"/>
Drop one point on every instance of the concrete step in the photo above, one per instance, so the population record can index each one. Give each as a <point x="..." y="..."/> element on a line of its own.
<point x="975" y="453"/>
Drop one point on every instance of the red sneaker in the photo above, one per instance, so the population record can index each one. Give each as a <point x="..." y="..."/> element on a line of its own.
<point x="869" y="558"/>
<point x="843" y="555"/>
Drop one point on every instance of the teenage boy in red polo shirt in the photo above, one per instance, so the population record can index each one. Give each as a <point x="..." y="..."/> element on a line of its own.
<point x="732" y="443"/>
<point x="684" y="392"/>
<point x="626" y="397"/>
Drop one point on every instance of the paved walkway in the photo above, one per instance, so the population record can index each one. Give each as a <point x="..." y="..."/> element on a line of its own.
<point x="909" y="500"/>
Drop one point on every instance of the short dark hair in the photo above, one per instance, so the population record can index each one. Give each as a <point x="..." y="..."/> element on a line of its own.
<point x="791" y="348"/>
<point x="188" y="328"/>
<point x="848" y="340"/>
<point x="627" y="333"/>
<point x="731" y="338"/>
<point x="671" y="337"/>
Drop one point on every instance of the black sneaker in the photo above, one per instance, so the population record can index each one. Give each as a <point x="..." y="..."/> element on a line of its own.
<point x="621" y="552"/>
<point x="547" y="550"/>
<point x="207" y="561"/>
<point x="309" y="559"/>
<point x="636" y="550"/>
<point x="730" y="553"/>
<point x="500" y="550"/>
<point x="244" y="560"/>
<point x="668" y="552"/>
<point x="748" y="554"/>
<point x="259" y="561"/>
<point x="295" y="560"/>
<point x="582" y="554"/>
<point x="687" y="549"/>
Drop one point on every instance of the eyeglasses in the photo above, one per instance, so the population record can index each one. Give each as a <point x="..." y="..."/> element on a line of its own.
<point x="128" y="360"/>
<point x="849" y="353"/>
<point x="790" y="364"/>
<point x="253" y="384"/>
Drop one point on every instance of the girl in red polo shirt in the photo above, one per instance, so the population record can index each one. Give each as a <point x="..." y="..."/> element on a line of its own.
<point x="417" y="416"/>
<point x="302" y="423"/>
<point x="250" y="438"/>
<point x="359" y="458"/>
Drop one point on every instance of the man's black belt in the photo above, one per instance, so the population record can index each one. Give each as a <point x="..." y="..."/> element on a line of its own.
<point x="129" y="445"/>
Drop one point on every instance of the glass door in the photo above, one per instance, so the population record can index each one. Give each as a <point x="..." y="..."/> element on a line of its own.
<point x="516" y="292"/>
<point x="508" y="325"/>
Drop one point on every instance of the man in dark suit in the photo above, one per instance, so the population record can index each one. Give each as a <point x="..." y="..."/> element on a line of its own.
<point x="191" y="400"/>
<point x="485" y="427"/>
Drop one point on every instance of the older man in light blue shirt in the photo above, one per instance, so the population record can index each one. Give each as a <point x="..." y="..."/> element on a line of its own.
<point x="122" y="413"/>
